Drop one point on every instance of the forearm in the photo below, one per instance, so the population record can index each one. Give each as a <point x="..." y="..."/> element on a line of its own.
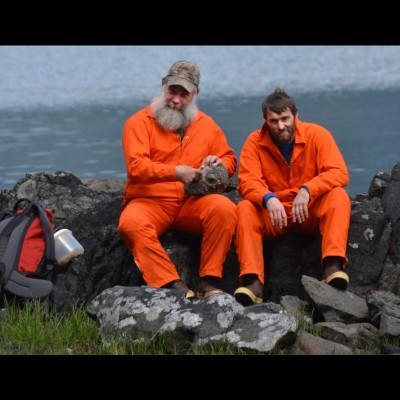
<point x="146" y="171"/>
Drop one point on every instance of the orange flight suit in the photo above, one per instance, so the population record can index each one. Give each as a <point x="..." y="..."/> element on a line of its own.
<point x="317" y="163"/>
<point x="155" y="202"/>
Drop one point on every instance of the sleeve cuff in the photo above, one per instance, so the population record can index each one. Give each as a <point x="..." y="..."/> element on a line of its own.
<point x="266" y="198"/>
<point x="305" y="187"/>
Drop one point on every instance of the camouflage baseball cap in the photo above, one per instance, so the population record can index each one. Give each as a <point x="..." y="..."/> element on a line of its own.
<point x="183" y="73"/>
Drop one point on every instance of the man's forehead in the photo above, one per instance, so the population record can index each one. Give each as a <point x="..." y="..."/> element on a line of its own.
<point x="284" y="113"/>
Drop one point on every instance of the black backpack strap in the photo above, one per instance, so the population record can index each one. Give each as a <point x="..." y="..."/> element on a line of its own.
<point x="17" y="205"/>
<point x="5" y="214"/>
<point x="13" y="224"/>
<point x="49" y="238"/>
<point x="44" y="220"/>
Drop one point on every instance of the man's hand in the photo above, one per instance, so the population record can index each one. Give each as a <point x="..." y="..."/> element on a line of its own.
<point x="186" y="174"/>
<point x="277" y="213"/>
<point x="211" y="161"/>
<point x="299" y="208"/>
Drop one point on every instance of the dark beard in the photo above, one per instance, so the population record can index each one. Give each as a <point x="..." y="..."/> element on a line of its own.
<point x="289" y="135"/>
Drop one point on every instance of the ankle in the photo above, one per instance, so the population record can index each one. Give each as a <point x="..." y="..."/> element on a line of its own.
<point x="249" y="279"/>
<point x="209" y="282"/>
<point x="252" y="283"/>
<point x="176" y="284"/>
<point x="331" y="265"/>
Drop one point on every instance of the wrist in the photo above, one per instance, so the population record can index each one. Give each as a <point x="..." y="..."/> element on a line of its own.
<point x="266" y="198"/>
<point x="305" y="187"/>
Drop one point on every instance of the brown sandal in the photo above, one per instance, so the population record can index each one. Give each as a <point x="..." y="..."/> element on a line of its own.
<point x="203" y="295"/>
<point x="190" y="295"/>
<point x="180" y="286"/>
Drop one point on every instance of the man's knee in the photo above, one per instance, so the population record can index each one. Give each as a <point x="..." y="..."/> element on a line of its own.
<point x="245" y="207"/>
<point x="338" y="195"/>
<point x="224" y="207"/>
<point x="228" y="214"/>
<point x="128" y="225"/>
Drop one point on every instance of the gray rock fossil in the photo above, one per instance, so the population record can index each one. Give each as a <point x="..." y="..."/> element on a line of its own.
<point x="214" y="180"/>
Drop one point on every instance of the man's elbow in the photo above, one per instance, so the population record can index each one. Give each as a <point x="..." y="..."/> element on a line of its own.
<point x="345" y="178"/>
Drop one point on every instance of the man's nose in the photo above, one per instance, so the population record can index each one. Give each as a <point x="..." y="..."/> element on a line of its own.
<point x="176" y="98"/>
<point x="281" y="125"/>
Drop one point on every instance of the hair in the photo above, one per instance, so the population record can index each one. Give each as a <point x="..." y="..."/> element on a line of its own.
<point x="278" y="101"/>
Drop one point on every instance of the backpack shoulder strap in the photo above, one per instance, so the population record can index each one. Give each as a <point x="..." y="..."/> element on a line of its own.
<point x="49" y="237"/>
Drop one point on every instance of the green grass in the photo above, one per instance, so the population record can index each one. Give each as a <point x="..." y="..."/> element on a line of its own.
<point x="31" y="329"/>
<point x="307" y="325"/>
<point x="392" y="341"/>
<point x="221" y="348"/>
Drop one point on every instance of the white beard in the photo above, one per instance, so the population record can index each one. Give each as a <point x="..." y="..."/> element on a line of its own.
<point x="172" y="119"/>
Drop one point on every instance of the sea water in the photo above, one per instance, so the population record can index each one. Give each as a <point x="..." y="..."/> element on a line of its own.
<point x="64" y="107"/>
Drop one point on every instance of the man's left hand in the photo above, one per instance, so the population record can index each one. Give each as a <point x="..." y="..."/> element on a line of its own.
<point x="299" y="208"/>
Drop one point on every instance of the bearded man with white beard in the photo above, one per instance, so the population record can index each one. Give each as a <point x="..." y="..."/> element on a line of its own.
<point x="165" y="146"/>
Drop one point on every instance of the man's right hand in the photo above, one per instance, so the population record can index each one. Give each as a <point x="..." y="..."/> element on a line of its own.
<point x="277" y="213"/>
<point x="187" y="174"/>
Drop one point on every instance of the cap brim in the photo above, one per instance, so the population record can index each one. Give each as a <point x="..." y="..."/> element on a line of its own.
<point x="173" y="80"/>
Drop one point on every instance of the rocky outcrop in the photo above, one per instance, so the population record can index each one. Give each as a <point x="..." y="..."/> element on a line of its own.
<point x="343" y="322"/>
<point x="90" y="209"/>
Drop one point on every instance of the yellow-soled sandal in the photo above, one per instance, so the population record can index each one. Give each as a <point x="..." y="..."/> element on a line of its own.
<point x="246" y="297"/>
<point x="338" y="280"/>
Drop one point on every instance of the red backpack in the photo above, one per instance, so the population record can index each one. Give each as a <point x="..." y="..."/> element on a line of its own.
<point x="27" y="250"/>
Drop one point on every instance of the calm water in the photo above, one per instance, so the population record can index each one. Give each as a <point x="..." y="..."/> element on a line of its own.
<point x="63" y="108"/>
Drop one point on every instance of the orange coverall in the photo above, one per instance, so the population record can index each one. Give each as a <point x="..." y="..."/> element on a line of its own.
<point x="154" y="201"/>
<point x="317" y="163"/>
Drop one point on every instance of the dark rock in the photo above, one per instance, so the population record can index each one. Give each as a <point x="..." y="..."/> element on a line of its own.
<point x="286" y="260"/>
<point x="360" y="336"/>
<point x="378" y="184"/>
<point x="389" y="349"/>
<point x="105" y="185"/>
<point x="367" y="245"/>
<point x="335" y="305"/>
<point x="307" y="344"/>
